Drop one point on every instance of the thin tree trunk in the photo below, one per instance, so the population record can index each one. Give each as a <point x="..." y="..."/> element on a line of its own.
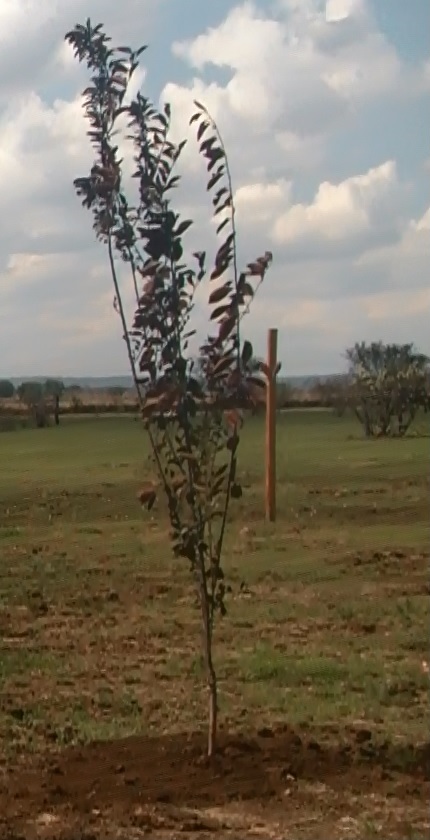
<point x="210" y="670"/>
<point x="213" y="709"/>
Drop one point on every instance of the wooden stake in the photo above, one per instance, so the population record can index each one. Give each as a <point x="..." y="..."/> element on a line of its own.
<point x="272" y="352"/>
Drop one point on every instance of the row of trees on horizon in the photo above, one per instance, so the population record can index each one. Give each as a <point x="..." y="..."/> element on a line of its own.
<point x="385" y="386"/>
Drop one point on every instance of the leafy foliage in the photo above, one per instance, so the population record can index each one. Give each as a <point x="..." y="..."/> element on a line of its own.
<point x="387" y="385"/>
<point x="30" y="393"/>
<point x="7" y="389"/>
<point x="190" y="411"/>
<point x="53" y="388"/>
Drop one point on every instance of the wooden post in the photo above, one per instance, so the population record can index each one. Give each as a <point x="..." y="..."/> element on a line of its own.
<point x="272" y="350"/>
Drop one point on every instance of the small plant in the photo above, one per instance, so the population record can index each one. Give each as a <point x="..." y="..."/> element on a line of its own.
<point x="192" y="408"/>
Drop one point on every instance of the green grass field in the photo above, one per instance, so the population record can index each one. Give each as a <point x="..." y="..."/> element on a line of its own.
<point x="327" y="626"/>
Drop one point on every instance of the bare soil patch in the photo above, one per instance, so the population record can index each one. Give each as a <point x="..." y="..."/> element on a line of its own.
<point x="274" y="771"/>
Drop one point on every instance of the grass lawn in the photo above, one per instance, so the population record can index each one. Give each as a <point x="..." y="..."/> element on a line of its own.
<point x="322" y="659"/>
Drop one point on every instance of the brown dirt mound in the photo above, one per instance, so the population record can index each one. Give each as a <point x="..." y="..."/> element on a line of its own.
<point x="136" y="771"/>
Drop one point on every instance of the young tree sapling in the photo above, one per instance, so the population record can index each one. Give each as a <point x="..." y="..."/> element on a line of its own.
<point x="193" y="416"/>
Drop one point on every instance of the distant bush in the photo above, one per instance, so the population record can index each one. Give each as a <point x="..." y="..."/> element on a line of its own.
<point x="7" y="389"/>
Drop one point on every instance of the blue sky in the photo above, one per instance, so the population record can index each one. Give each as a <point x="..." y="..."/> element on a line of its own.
<point x="325" y="111"/>
<point x="407" y="25"/>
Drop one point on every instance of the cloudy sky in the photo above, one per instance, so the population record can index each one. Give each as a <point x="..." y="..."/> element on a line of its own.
<point x="324" y="107"/>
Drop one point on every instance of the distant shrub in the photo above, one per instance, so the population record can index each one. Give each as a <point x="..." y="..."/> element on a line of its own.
<point x="7" y="389"/>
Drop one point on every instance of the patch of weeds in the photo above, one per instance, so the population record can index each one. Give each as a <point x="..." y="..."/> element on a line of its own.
<point x="89" y="529"/>
<point x="122" y="719"/>
<point x="370" y="829"/>
<point x="18" y="663"/>
<point x="416" y="639"/>
<point x="10" y="533"/>
<point x="26" y="726"/>
<point x="346" y="612"/>
<point x="266" y="664"/>
<point x="402" y="691"/>
<point x="176" y="666"/>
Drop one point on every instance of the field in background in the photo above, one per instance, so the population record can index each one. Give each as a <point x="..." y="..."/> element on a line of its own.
<point x="78" y="401"/>
<point x="323" y="658"/>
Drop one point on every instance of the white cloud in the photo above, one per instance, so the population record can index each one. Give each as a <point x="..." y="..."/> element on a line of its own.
<point x="42" y="148"/>
<point x="423" y="223"/>
<point x="403" y="303"/>
<point x="305" y="312"/>
<point x="32" y="32"/>
<point x="303" y="71"/>
<point x="342" y="216"/>
<point x="276" y="79"/>
<point x="261" y="203"/>
<point x="404" y="264"/>
<point x="341" y="10"/>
